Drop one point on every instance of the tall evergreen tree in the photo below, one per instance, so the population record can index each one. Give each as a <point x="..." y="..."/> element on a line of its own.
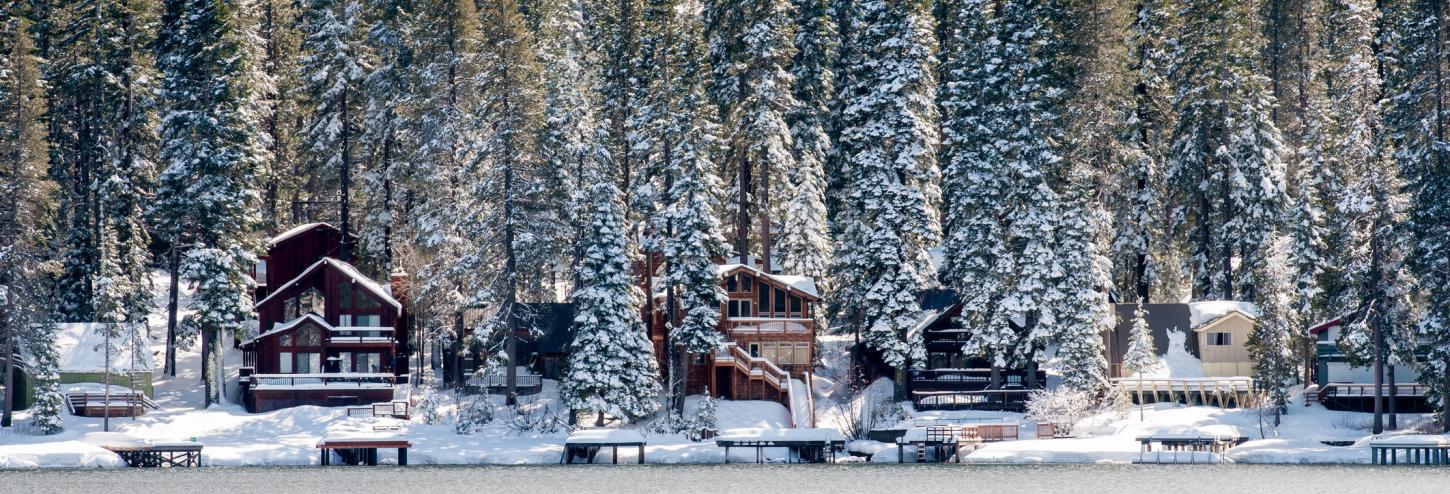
<point x="805" y="242"/>
<point x="24" y="216"/>
<point x="209" y="145"/>
<point x="334" y="62"/>
<point x="611" y="369"/>
<point x="385" y="131"/>
<point x="890" y="138"/>
<point x="1140" y="249"/>
<point x="1225" y="167"/>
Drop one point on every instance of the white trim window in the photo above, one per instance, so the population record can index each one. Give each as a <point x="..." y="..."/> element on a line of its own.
<point x="1220" y="339"/>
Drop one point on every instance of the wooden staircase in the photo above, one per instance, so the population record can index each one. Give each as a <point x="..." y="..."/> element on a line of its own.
<point x="762" y="369"/>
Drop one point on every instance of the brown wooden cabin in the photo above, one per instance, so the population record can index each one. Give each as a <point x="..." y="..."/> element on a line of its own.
<point x="769" y="325"/>
<point x="329" y="335"/>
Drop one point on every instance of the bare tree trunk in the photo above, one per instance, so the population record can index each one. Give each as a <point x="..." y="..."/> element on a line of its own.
<point x="174" y="265"/>
<point x="1379" y="377"/>
<point x="345" y="176"/>
<point x="1394" y="394"/>
<point x="766" y="242"/>
<point x="742" y="213"/>
<point x="9" y="394"/>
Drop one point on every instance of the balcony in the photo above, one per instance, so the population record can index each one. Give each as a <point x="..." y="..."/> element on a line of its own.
<point x="354" y="380"/>
<point x="768" y="325"/>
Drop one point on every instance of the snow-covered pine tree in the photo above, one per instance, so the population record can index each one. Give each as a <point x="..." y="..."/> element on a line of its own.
<point x="209" y="146"/>
<point x="611" y="367"/>
<point x="891" y="139"/>
<point x="614" y="29"/>
<point x="385" y="140"/>
<point x="567" y="139"/>
<point x="1082" y="313"/>
<point x="102" y="79"/>
<point x="972" y="186"/>
<point x="759" y="136"/>
<point x="1142" y="353"/>
<point x="1271" y="342"/>
<point x="508" y="174"/>
<point x="1139" y="241"/>
<point x="693" y="239"/>
<point x="282" y="115"/>
<point x="1414" y="53"/>
<point x="447" y="50"/>
<point x="333" y="59"/>
<point x="24" y="215"/>
<point x="1227" y="179"/>
<point x="805" y="242"/>
<point x="45" y="413"/>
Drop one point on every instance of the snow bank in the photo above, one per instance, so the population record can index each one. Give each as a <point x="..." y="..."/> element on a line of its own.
<point x="1177" y="363"/>
<point x="81" y="350"/>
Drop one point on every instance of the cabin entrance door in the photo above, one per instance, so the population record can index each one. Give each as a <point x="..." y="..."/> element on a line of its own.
<point x="723" y="379"/>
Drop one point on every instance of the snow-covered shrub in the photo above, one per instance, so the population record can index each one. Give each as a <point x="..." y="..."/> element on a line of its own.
<point x="428" y="408"/>
<point x="473" y="415"/>
<point x="705" y="414"/>
<point x="528" y="416"/>
<point x="1062" y="407"/>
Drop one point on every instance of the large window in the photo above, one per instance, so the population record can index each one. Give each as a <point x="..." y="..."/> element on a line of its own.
<point x="369" y="362"/>
<point x="359" y="321"/>
<point x="796" y="308"/>
<point x="1220" y="339"/>
<point x="349" y="297"/>
<point x="284" y="362"/>
<point x="739" y="308"/>
<point x="779" y="302"/>
<point x="309" y="335"/>
<point x="312" y="301"/>
<point x="309" y="362"/>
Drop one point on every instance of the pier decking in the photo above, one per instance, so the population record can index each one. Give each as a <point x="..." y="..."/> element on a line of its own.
<point x="361" y="448"/>
<point x="802" y="445"/>
<point x="1410" y="450"/>
<point x="589" y="442"/>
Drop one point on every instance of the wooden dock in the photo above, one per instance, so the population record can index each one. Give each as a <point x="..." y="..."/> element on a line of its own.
<point x="803" y="445"/>
<point x="589" y="442"/>
<point x="1185" y="446"/>
<point x="361" y="448"/>
<point x="1410" y="450"/>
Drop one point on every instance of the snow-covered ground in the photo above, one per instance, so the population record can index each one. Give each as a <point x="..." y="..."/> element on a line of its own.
<point x="1112" y="437"/>
<point x="288" y="437"/>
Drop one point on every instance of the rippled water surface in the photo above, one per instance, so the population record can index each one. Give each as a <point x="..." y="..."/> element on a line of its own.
<point x="751" y="479"/>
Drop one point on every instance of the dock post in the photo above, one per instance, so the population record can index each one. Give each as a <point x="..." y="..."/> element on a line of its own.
<point x="403" y="457"/>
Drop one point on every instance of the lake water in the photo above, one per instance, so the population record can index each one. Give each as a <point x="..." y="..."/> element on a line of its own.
<point x="750" y="479"/>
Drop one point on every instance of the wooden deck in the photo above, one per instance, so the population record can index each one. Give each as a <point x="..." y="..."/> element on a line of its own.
<point x="1410" y="450"/>
<point x="362" y="449"/>
<point x="588" y="443"/>
<point x="1185" y="448"/>
<point x="1223" y="392"/>
<point x="157" y="455"/>
<point x="131" y="404"/>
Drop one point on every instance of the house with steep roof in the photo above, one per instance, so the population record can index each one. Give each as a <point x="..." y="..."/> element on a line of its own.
<point x="328" y="334"/>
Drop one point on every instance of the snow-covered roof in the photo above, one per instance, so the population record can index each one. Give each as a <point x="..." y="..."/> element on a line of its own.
<point x="1201" y="313"/>
<point x="292" y="324"/>
<point x="347" y="270"/>
<point x="295" y="231"/>
<point x="82" y="349"/>
<point x="803" y="284"/>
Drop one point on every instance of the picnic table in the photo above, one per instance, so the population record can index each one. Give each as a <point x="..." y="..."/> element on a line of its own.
<point x="589" y="442"/>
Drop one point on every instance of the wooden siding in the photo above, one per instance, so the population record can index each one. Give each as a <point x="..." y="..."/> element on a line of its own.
<point x="1226" y="360"/>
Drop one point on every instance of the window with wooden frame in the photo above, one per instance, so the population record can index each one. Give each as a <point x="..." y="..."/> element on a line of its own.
<point x="1220" y="339"/>
<point x="797" y="309"/>
<point x="779" y="302"/>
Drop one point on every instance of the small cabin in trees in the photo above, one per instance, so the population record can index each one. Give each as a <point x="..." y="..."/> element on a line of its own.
<point x="328" y="335"/>
<point x="1213" y="332"/>
<point x="769" y="330"/>
<point x="951" y="379"/>
<point x="544" y="331"/>
<point x="1340" y="384"/>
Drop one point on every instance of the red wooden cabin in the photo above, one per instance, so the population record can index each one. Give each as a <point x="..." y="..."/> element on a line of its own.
<point x="329" y="335"/>
<point x="768" y="321"/>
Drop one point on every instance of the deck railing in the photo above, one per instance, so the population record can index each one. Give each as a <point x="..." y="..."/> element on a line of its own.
<point x="967" y="379"/>
<point x="348" y="379"/>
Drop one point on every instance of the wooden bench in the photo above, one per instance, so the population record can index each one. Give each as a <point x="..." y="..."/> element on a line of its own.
<point x="362" y="448"/>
